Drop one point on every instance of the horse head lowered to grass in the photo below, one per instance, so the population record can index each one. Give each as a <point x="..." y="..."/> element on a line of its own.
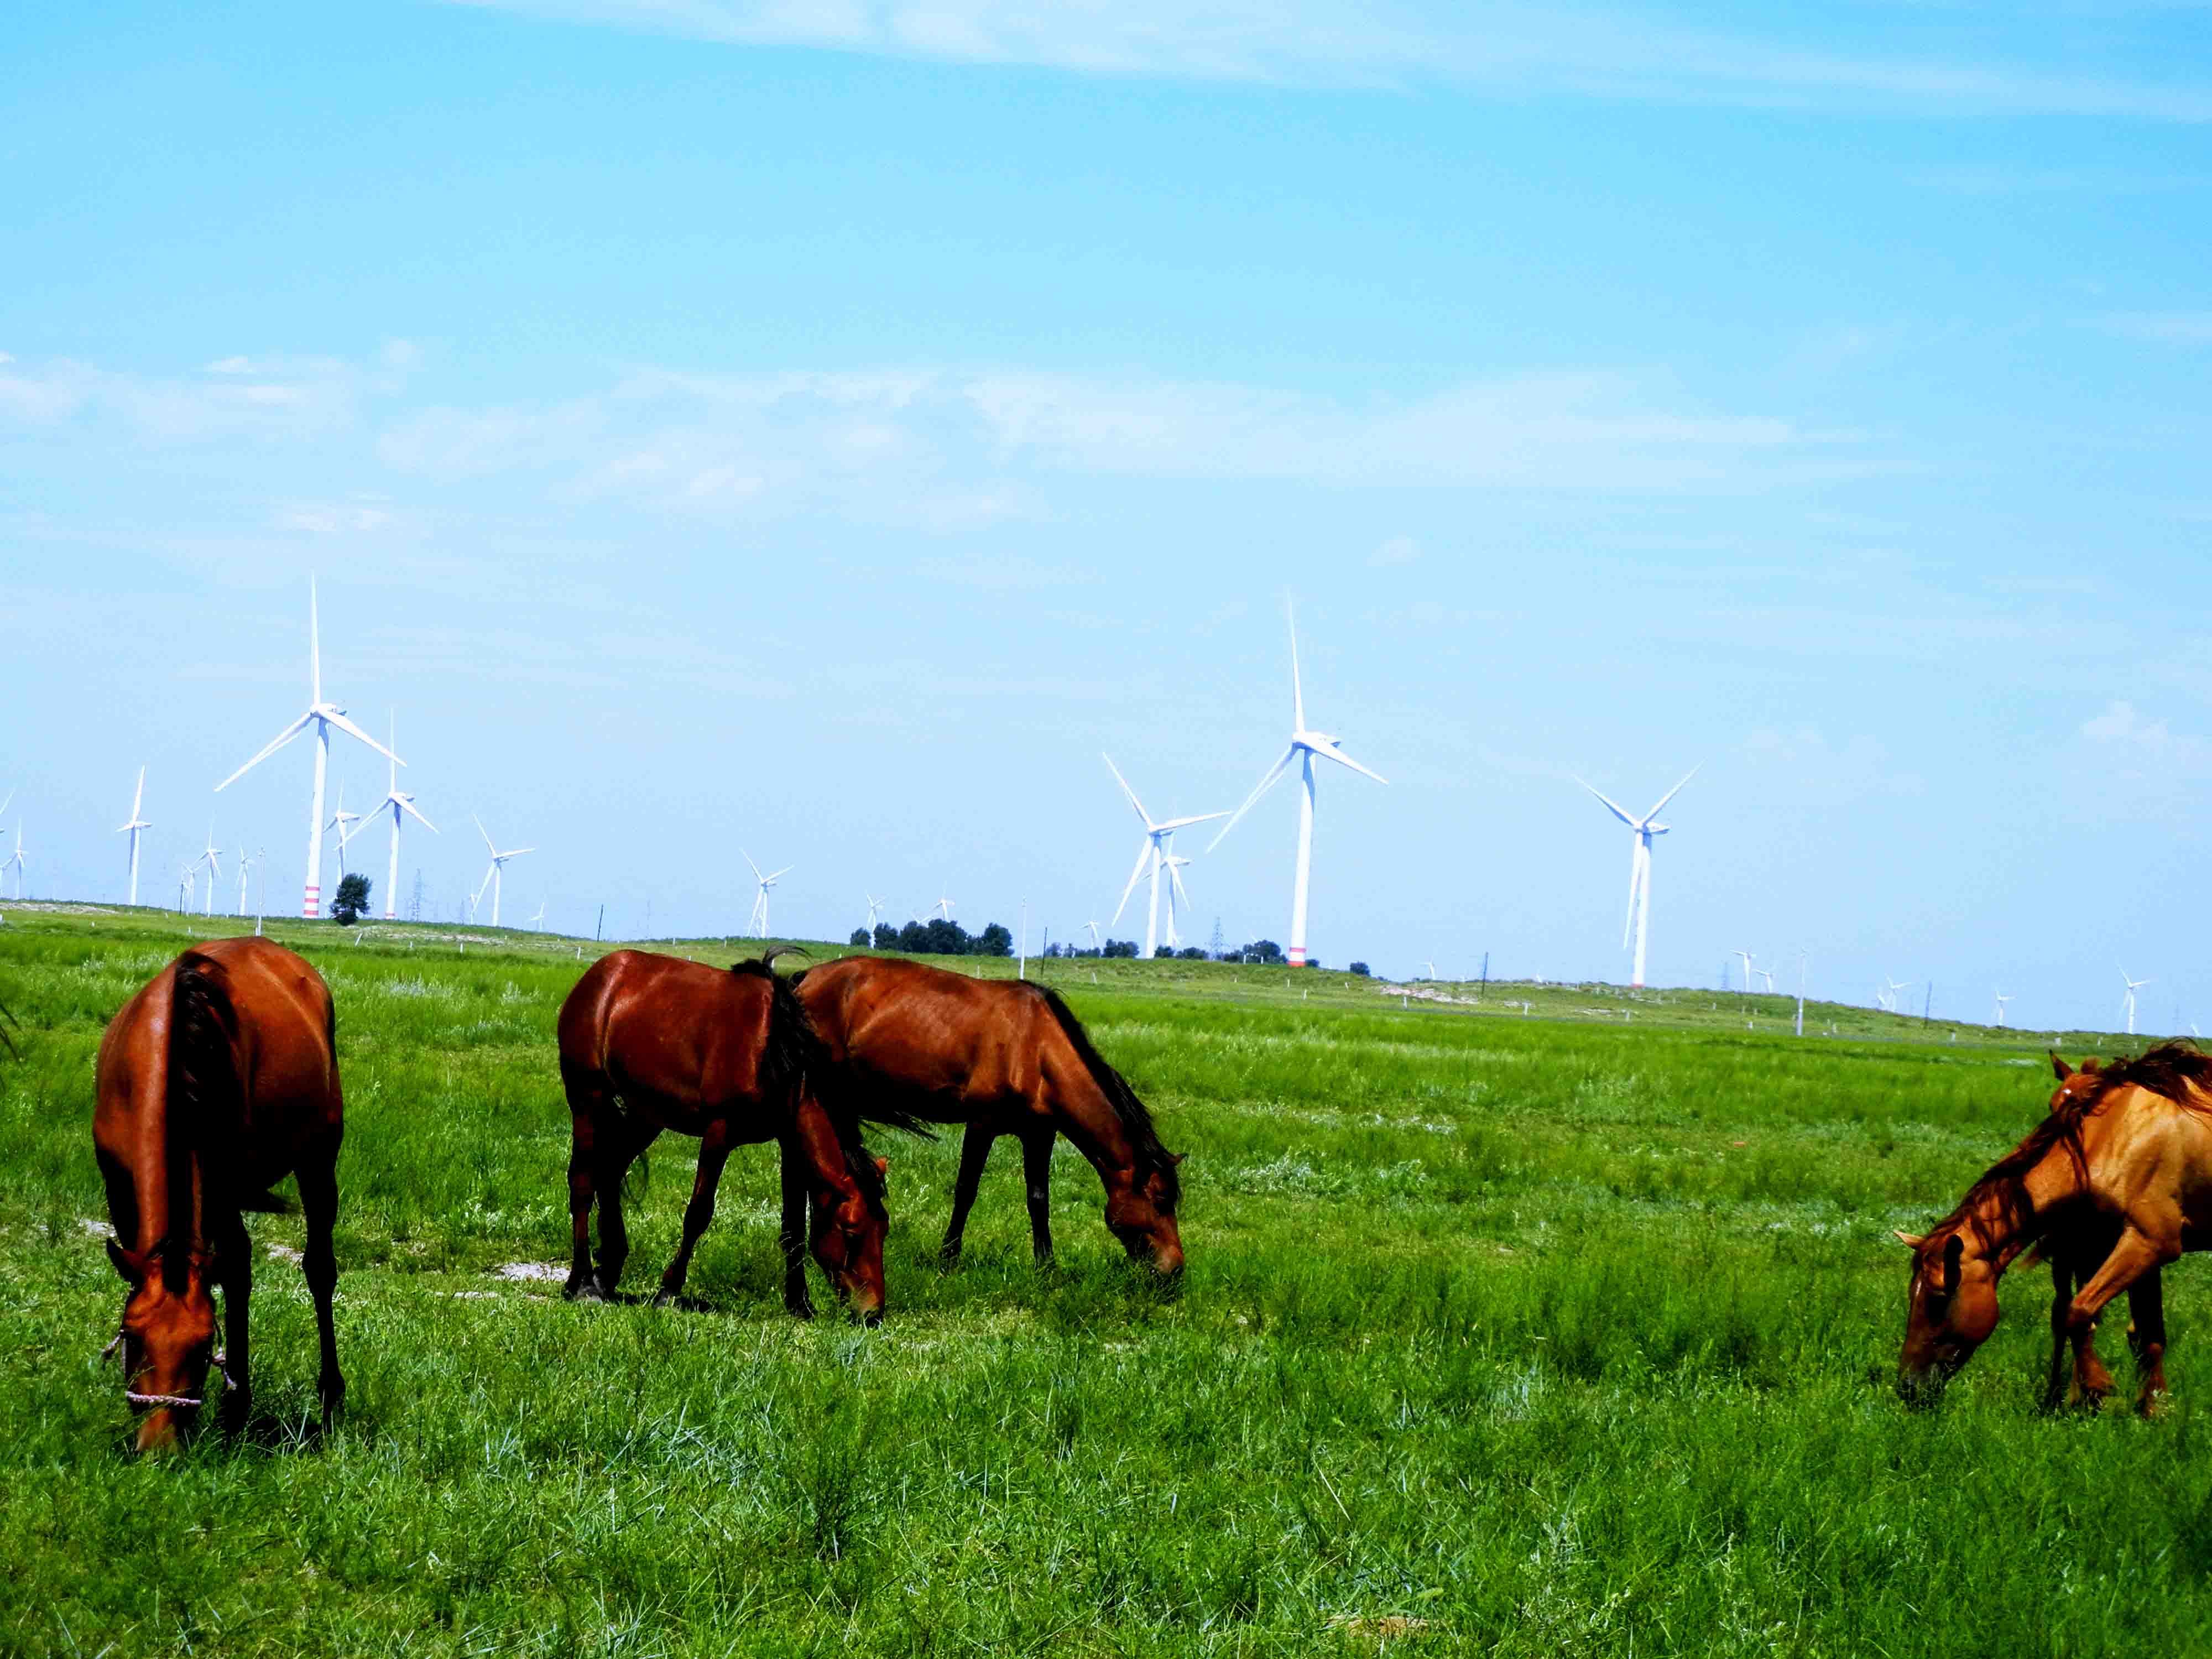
<point x="1003" y="1057"/>
<point x="217" y="1079"/>
<point x="2114" y="1184"/>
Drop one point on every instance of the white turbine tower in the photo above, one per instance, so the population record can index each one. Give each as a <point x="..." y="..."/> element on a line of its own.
<point x="538" y="921"/>
<point x="1746" y="955"/>
<point x="322" y="716"/>
<point x="1304" y="744"/>
<point x="1093" y="926"/>
<point x="1174" y="864"/>
<point x="943" y="906"/>
<point x="1890" y="988"/>
<point x="758" y="921"/>
<point x="212" y="858"/>
<point x="875" y="909"/>
<point x="2134" y="986"/>
<point x="492" y="873"/>
<point x="1639" y="873"/>
<point x="399" y="803"/>
<point x="136" y="823"/>
<point x="245" y="864"/>
<point x="1154" y="851"/>
<point x="14" y="859"/>
<point x="2001" y="999"/>
<point x="1432" y="967"/>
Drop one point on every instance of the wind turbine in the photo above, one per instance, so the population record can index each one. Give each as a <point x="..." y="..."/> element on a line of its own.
<point x="1746" y="955"/>
<point x="2134" y="986"/>
<point x="213" y="861"/>
<point x="1767" y="974"/>
<point x="1432" y="967"/>
<point x="875" y="908"/>
<point x="1891" y="987"/>
<point x="1154" y="850"/>
<point x="322" y="716"/>
<point x="187" y="886"/>
<point x="943" y="906"/>
<point x="537" y="920"/>
<point x="1175" y="865"/>
<point x="14" y="859"/>
<point x="136" y="823"/>
<point x="758" y="921"/>
<point x="245" y="864"/>
<point x="1304" y="744"/>
<point x="2001" y="999"/>
<point x="1093" y="926"/>
<point x="401" y="805"/>
<point x="343" y="822"/>
<point x="1639" y="874"/>
<point x="491" y="875"/>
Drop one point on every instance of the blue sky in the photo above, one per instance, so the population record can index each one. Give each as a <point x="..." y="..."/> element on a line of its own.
<point x="822" y="428"/>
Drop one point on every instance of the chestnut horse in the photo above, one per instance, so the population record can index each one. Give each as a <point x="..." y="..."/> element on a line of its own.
<point x="216" y="1080"/>
<point x="651" y="1042"/>
<point x="2115" y="1183"/>
<point x="1003" y="1057"/>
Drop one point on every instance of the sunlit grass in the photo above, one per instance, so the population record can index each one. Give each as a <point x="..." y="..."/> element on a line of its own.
<point x="1509" y="1333"/>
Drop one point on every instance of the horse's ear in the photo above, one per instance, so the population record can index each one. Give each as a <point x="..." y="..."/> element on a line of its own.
<point x="883" y="1166"/>
<point x="128" y="1266"/>
<point x="1911" y="1241"/>
<point x="2060" y="1067"/>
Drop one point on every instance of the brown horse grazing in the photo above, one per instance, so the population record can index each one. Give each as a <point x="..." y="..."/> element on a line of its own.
<point x="1003" y="1057"/>
<point x="651" y="1042"/>
<point x="2115" y="1183"/>
<point x="216" y="1080"/>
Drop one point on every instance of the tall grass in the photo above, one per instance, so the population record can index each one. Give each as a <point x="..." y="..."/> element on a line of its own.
<point x="1500" y="1335"/>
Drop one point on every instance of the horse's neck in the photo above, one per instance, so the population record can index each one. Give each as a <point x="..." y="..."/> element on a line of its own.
<point x="2005" y="1230"/>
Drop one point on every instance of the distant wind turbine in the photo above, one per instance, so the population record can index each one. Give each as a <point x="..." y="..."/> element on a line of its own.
<point x="1155" y="852"/>
<point x="499" y="861"/>
<point x="398" y="802"/>
<point x="537" y="920"/>
<point x="1093" y="926"/>
<point x="1305" y="742"/>
<point x="943" y="906"/>
<point x="343" y="822"/>
<point x="244" y="864"/>
<point x="1639" y="870"/>
<point x="1746" y="957"/>
<point x="137" y="823"/>
<point x="2001" y="999"/>
<point x="322" y="716"/>
<point x="758" y="921"/>
<point x="14" y="860"/>
<point x="213" y="859"/>
<point x="1432" y="967"/>
<point x="1890" y="988"/>
<point x="2134" y="986"/>
<point x="875" y="908"/>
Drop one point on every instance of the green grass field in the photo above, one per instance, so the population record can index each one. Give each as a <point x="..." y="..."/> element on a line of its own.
<point x="1555" y="1332"/>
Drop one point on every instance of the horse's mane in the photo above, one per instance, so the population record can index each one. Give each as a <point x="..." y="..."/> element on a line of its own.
<point x="203" y="1083"/>
<point x="795" y="1057"/>
<point x="1136" y="1121"/>
<point x="2172" y="1071"/>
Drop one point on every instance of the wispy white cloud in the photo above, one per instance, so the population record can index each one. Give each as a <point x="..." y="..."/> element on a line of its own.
<point x="232" y="397"/>
<point x="2145" y="746"/>
<point x="2160" y="327"/>
<point x="1343" y="43"/>
<point x="961" y="447"/>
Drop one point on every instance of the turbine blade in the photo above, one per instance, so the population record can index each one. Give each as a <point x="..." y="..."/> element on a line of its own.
<point x="1342" y="759"/>
<point x="1260" y="789"/>
<point x="748" y="858"/>
<point x="274" y="744"/>
<point x="138" y="796"/>
<point x="1671" y="793"/>
<point x="1143" y="817"/>
<point x="485" y="833"/>
<point x="1184" y="823"/>
<point x="1135" y="876"/>
<point x="315" y="643"/>
<point x="409" y="807"/>
<point x="354" y="732"/>
<point x="516" y="853"/>
<point x="1610" y="806"/>
<point x="1297" y="691"/>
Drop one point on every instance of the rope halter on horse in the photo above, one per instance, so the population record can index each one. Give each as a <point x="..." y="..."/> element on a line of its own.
<point x="216" y="1359"/>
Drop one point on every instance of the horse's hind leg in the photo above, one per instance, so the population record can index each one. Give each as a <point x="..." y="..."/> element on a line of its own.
<point x="319" y="1203"/>
<point x="794" y="1231"/>
<point x="234" y="1266"/>
<point x="587" y="1110"/>
<point x="975" y="1153"/>
<point x="1037" y="1174"/>
<point x="2147" y="1336"/>
<point x="714" y="1154"/>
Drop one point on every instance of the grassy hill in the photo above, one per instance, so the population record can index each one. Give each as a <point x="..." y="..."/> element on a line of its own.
<point x="1567" y="1330"/>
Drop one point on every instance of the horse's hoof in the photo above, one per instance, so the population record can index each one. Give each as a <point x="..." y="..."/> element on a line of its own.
<point x="665" y="1299"/>
<point x="800" y="1310"/>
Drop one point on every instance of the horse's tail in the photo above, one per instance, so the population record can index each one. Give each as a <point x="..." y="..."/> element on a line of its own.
<point x="204" y="1089"/>
<point x="1136" y="1120"/>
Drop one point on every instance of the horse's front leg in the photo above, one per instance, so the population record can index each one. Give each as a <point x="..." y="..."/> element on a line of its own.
<point x="714" y="1154"/>
<point x="2147" y="1336"/>
<point x="234" y="1269"/>
<point x="797" y="1185"/>
<point x="2062" y="1297"/>
<point x="2137" y="1256"/>
<point x="1037" y="1174"/>
<point x="620" y="1145"/>
<point x="319" y="1203"/>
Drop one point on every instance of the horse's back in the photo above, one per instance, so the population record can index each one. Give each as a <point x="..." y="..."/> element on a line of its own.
<point x="686" y="1031"/>
<point x="957" y="1040"/>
